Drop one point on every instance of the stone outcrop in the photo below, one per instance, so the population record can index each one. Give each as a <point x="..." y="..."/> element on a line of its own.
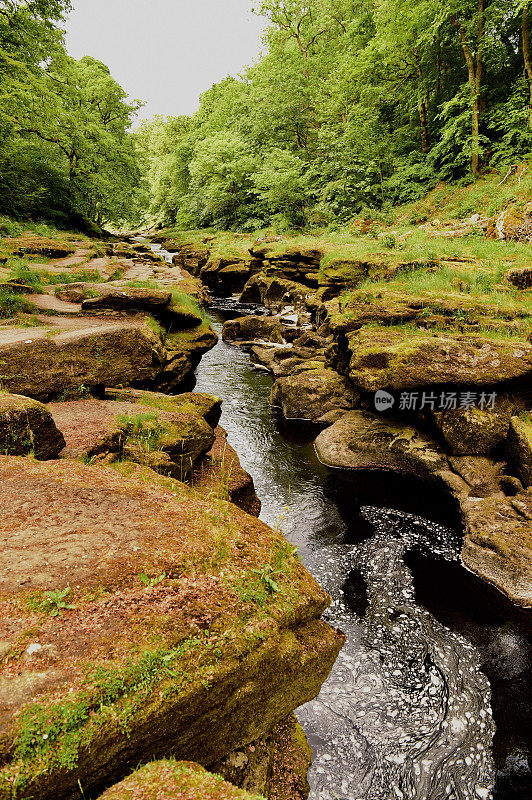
<point x="274" y="292"/>
<point x="274" y="766"/>
<point x="362" y="441"/>
<point x="158" y="634"/>
<point x="383" y="358"/>
<point x="498" y="543"/>
<point x="519" y="448"/>
<point x="27" y="426"/>
<point x="183" y="351"/>
<point x="167" y="434"/>
<point x="220" y="474"/>
<point x="312" y="393"/>
<point x="43" y="366"/>
<point x="169" y="780"/>
<point x="251" y="328"/>
<point x="129" y="299"/>
<point x="476" y="431"/>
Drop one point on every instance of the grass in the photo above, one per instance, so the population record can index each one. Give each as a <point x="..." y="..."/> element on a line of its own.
<point x="12" y="304"/>
<point x="144" y="429"/>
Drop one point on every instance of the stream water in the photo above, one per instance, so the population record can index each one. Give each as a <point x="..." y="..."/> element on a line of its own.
<point x="407" y="710"/>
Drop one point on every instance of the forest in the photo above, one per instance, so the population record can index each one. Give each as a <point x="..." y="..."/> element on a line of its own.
<point x="352" y="105"/>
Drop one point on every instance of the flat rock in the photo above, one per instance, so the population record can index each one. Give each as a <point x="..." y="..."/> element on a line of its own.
<point x="43" y="363"/>
<point x="27" y="426"/>
<point x="384" y="358"/>
<point x="159" y="636"/>
<point x="362" y="441"/>
<point x="312" y="393"/>
<point x="498" y="543"/>
<point x="129" y="299"/>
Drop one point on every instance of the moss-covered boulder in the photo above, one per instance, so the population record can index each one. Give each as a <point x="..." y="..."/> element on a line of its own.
<point x="140" y="621"/>
<point x="476" y="431"/>
<point x="128" y="298"/>
<point x="251" y="328"/>
<point x="27" y="426"/>
<point x="399" y="359"/>
<point x="274" y="292"/>
<point x="44" y="363"/>
<point x="312" y="393"/>
<point x="184" y="349"/>
<point x="519" y="447"/>
<point x="362" y="441"/>
<point x="168" y="434"/>
<point x="498" y="543"/>
<point x="175" y="780"/>
<point x="274" y="766"/>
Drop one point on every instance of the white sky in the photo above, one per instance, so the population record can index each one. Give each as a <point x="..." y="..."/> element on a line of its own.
<point x="166" y="52"/>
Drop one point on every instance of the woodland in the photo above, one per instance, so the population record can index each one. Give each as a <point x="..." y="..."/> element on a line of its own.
<point x="352" y="105"/>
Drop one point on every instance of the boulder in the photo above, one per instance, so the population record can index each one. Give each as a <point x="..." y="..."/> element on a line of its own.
<point x="167" y="434"/>
<point x="129" y="299"/>
<point x="274" y="292"/>
<point x="519" y="447"/>
<point x="362" y="441"/>
<point x="274" y="766"/>
<point x="312" y="393"/>
<point x="159" y="635"/>
<point x="397" y="359"/>
<point x="43" y="366"/>
<point x="184" y="349"/>
<point x="251" y="328"/>
<point x="27" y="426"/>
<point x="476" y="431"/>
<point x="170" y="780"/>
<point x="498" y="543"/>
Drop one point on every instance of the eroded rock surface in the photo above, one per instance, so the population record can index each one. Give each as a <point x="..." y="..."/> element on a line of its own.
<point x="159" y="633"/>
<point x="312" y="393"/>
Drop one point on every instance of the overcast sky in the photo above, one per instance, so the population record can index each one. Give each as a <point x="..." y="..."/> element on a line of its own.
<point x="166" y="52"/>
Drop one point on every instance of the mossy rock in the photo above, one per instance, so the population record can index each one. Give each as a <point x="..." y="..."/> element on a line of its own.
<point x="251" y="328"/>
<point x="128" y="299"/>
<point x="27" y="426"/>
<point x="476" y="431"/>
<point x="169" y="780"/>
<point x="43" y="367"/>
<point x="498" y="543"/>
<point x="519" y="447"/>
<point x="399" y="359"/>
<point x="169" y="640"/>
<point x="312" y="393"/>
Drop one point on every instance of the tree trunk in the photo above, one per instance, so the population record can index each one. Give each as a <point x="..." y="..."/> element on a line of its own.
<point x="475" y="71"/>
<point x="422" y="107"/>
<point x="527" y="57"/>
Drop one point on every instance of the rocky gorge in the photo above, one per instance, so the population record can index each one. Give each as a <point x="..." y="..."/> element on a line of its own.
<point x="156" y="617"/>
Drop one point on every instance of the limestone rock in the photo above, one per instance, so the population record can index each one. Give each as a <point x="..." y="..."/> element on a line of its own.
<point x="520" y="277"/>
<point x="498" y="543"/>
<point x="274" y="292"/>
<point x="131" y="674"/>
<point x="42" y="366"/>
<point x="519" y="448"/>
<point x="253" y="328"/>
<point x="27" y="426"/>
<point x="384" y="358"/>
<point x="169" y="780"/>
<point x="274" y="766"/>
<point x="129" y="298"/>
<point x="476" y="431"/>
<point x="312" y="393"/>
<point x="362" y="441"/>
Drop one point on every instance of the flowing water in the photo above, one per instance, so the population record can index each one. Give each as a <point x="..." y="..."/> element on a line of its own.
<point x="407" y="710"/>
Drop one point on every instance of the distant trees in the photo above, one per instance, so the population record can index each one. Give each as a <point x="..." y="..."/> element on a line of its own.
<point x="65" y="147"/>
<point x="354" y="103"/>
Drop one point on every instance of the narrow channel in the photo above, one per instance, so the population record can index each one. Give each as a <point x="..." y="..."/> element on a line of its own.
<point x="407" y="710"/>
